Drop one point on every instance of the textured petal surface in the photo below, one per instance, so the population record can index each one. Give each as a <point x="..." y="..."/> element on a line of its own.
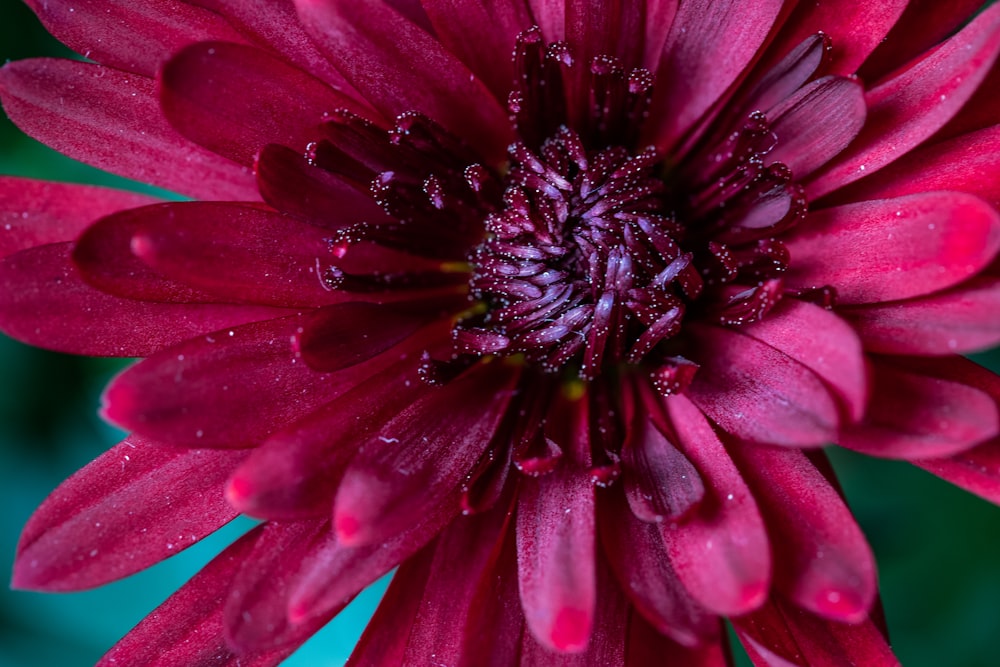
<point x="907" y="246"/>
<point x="398" y="67"/>
<point x="111" y="120"/>
<point x="721" y="553"/>
<point x="976" y="470"/>
<point x="235" y="99"/>
<point x="44" y="302"/>
<point x="79" y="537"/>
<point x="34" y="213"/>
<point x="758" y="393"/>
<point x="910" y="107"/>
<point x="822" y="561"/>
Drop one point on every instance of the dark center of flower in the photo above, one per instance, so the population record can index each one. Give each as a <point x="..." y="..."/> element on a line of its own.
<point x="582" y="262"/>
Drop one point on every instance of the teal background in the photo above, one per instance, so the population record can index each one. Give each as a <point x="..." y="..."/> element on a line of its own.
<point x="937" y="547"/>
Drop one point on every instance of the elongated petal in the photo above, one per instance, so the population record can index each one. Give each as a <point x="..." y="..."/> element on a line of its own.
<point x="34" y="213"/>
<point x="80" y="537"/>
<point x="291" y="185"/>
<point x="417" y="461"/>
<point x="295" y="473"/>
<point x="930" y="412"/>
<point x="239" y="253"/>
<point x="104" y="256"/>
<point x="187" y="629"/>
<point x="761" y="394"/>
<point x="44" y="302"/>
<point x="779" y="635"/>
<point x="156" y="30"/>
<point x="976" y="470"/>
<point x="968" y="163"/>
<point x="556" y="558"/>
<point x="908" y="246"/>
<point x="854" y="29"/>
<point x="660" y="482"/>
<point x="255" y="612"/>
<point x="227" y="389"/>
<point x="720" y="553"/>
<point x="639" y="559"/>
<point x="822" y="561"/>
<point x="398" y="67"/>
<point x="960" y="320"/>
<point x="910" y="107"/>
<point x="709" y="45"/>
<point x="111" y="120"/>
<point x="478" y="32"/>
<point x="235" y="99"/>
<point x="816" y="123"/>
<point x="832" y="349"/>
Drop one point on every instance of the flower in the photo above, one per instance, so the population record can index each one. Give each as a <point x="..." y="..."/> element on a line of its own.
<point x="558" y="335"/>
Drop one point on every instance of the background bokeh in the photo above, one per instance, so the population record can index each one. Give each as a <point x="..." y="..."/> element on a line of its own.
<point x="938" y="548"/>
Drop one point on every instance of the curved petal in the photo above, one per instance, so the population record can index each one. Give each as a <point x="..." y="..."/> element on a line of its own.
<point x="234" y="100"/>
<point x="34" y="213"/>
<point x="112" y="120"/>
<point x="976" y="470"/>
<point x="710" y="44"/>
<point x="927" y="408"/>
<point x="80" y="537"/>
<point x="822" y="561"/>
<point x="960" y="320"/>
<point x="721" y="553"/>
<point x="910" y="107"/>
<point x="398" y="67"/>
<point x="44" y="302"/>
<point x="156" y="29"/>
<point x="418" y="460"/>
<point x="187" y="629"/>
<point x="231" y="388"/>
<point x="893" y="249"/>
<point x="758" y="393"/>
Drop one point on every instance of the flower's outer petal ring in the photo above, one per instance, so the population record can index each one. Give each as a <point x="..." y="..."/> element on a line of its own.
<point x="130" y="508"/>
<point x="112" y="120"/>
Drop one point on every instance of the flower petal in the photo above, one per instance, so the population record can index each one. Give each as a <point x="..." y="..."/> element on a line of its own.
<point x="187" y="629"/>
<point x="44" y="302"/>
<point x="417" y="460"/>
<point x="638" y="557"/>
<point x="960" y="320"/>
<point x="155" y="30"/>
<point x="479" y="33"/>
<point x="910" y="107"/>
<point x="968" y="163"/>
<point x="112" y="120"/>
<point x="254" y="613"/>
<point x="893" y="249"/>
<point x="831" y="349"/>
<point x="234" y="100"/>
<point x="710" y="44"/>
<point x="720" y="553"/>
<point x="759" y="393"/>
<point x="822" y="561"/>
<point x="398" y="67"/>
<point x="239" y="253"/>
<point x="80" y="537"/>
<point x="929" y="408"/>
<point x="295" y="473"/>
<point x="779" y="635"/>
<point x="816" y="123"/>
<point x="34" y="213"/>
<point x="976" y="470"/>
<point x="291" y="185"/>
<point x="231" y="388"/>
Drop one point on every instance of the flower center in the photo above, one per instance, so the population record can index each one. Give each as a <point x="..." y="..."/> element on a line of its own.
<point x="583" y="262"/>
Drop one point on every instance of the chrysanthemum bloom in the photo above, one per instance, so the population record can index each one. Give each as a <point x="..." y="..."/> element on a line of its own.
<point x="557" y="334"/>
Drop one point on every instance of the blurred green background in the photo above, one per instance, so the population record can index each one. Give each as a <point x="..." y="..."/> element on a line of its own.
<point x="938" y="548"/>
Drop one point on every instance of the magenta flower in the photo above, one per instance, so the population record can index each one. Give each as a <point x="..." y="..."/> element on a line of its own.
<point x="558" y="335"/>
